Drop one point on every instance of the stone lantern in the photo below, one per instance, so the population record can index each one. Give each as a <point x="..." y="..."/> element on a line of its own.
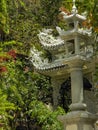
<point x="71" y="55"/>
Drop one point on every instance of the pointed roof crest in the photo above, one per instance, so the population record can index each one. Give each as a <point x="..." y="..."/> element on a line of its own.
<point x="74" y="8"/>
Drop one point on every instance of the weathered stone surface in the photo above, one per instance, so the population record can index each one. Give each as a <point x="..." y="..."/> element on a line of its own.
<point x="78" y="120"/>
<point x="71" y="127"/>
<point x="91" y="100"/>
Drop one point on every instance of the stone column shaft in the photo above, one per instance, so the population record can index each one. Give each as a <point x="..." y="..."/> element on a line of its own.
<point x="77" y="85"/>
<point x="56" y="95"/>
<point x="77" y="46"/>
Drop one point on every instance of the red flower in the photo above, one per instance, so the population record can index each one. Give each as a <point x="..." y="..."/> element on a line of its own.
<point x="3" y="69"/>
<point x="12" y="53"/>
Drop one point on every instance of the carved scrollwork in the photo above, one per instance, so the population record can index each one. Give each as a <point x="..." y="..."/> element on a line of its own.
<point x="48" y="40"/>
<point x="37" y="59"/>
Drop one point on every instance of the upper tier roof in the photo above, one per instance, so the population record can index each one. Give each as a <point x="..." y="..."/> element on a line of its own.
<point x="75" y="17"/>
<point x="50" y="43"/>
<point x="62" y="52"/>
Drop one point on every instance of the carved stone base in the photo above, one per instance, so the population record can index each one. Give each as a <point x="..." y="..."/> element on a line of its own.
<point x="78" y="120"/>
<point x="78" y="106"/>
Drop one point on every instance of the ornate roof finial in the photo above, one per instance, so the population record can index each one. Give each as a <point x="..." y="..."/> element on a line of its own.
<point x="74" y="8"/>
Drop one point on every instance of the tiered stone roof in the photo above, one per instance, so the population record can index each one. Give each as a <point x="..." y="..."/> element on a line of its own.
<point x="68" y="39"/>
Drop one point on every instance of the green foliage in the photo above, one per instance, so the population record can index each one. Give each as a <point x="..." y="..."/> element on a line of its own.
<point x="48" y="13"/>
<point x="23" y="86"/>
<point x="3" y="16"/>
<point x="5" y="107"/>
<point x="23" y="25"/>
<point x="46" y="117"/>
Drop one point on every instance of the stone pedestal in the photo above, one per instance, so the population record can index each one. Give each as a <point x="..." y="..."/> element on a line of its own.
<point x="78" y="120"/>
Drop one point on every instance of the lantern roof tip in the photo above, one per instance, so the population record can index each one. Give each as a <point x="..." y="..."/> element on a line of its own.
<point x="74" y="8"/>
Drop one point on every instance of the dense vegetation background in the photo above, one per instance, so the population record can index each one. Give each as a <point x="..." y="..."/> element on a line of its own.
<point x="24" y="95"/>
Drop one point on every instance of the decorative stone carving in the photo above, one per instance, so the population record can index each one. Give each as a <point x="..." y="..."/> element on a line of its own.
<point x="37" y="59"/>
<point x="48" y="41"/>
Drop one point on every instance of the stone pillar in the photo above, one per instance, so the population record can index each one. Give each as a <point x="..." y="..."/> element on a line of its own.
<point x="78" y="118"/>
<point x="67" y="51"/>
<point x="56" y="84"/>
<point x="77" y="85"/>
<point x="77" y="45"/>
